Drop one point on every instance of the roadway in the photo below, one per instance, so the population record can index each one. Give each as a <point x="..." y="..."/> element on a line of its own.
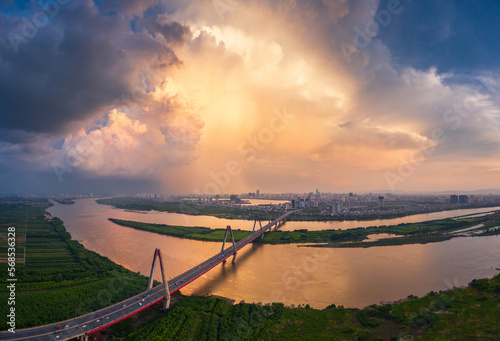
<point x="100" y="319"/>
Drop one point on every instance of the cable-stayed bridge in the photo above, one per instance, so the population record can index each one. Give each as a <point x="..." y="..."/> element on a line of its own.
<point x="82" y="326"/>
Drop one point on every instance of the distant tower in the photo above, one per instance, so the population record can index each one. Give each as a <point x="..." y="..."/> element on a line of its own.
<point x="463" y="199"/>
<point x="380" y="202"/>
<point x="350" y="200"/>
<point x="257" y="193"/>
<point x="453" y="199"/>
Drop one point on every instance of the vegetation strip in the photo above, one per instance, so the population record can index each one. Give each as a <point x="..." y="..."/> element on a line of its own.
<point x="458" y="314"/>
<point x="423" y="232"/>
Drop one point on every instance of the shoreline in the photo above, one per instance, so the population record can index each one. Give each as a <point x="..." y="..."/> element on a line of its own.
<point x="236" y="213"/>
<point x="404" y="234"/>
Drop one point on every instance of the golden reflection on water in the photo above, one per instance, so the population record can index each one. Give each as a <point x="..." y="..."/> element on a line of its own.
<point x="286" y="273"/>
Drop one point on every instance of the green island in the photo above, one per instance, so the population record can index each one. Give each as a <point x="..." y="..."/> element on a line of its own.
<point x="411" y="233"/>
<point x="236" y="212"/>
<point x="57" y="278"/>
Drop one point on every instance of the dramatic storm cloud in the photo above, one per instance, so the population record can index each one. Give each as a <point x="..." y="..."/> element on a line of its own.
<point x="229" y="96"/>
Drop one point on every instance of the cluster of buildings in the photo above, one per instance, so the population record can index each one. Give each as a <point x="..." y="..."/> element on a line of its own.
<point x="459" y="199"/>
<point x="349" y="205"/>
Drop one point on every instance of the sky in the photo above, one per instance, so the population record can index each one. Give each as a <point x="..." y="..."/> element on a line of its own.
<point x="230" y="96"/>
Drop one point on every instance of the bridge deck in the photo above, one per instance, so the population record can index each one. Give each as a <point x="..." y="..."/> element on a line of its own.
<point x="97" y="320"/>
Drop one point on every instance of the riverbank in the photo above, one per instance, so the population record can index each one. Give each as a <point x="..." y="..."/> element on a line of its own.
<point x="413" y="233"/>
<point x="56" y="277"/>
<point x="64" y="201"/>
<point x="469" y="313"/>
<point x="238" y="212"/>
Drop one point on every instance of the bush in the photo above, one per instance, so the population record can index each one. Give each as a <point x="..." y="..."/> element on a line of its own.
<point x="366" y="321"/>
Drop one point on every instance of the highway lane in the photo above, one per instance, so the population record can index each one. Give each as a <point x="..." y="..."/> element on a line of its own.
<point x="100" y="319"/>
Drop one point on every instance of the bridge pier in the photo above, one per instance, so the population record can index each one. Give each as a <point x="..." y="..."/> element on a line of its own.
<point x="166" y="302"/>
<point x="84" y="337"/>
<point x="234" y="244"/>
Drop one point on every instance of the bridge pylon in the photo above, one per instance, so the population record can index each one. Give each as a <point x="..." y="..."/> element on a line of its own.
<point x="166" y="302"/>
<point x="272" y="215"/>
<point x="257" y="218"/>
<point x="228" y="228"/>
<point x="282" y="211"/>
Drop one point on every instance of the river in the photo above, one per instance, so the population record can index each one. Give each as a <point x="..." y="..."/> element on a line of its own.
<point x="285" y="273"/>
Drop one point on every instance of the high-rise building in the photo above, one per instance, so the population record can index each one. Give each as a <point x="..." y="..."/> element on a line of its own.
<point x="380" y="202"/>
<point x="453" y="199"/>
<point x="331" y="210"/>
<point x="463" y="199"/>
<point x="257" y="193"/>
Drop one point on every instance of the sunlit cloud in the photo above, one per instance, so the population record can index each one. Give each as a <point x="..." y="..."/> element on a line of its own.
<point x="262" y="85"/>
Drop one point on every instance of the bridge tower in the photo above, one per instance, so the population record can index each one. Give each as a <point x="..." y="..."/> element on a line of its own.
<point x="257" y="218"/>
<point x="272" y="215"/>
<point x="166" y="302"/>
<point x="281" y="212"/>
<point x="228" y="228"/>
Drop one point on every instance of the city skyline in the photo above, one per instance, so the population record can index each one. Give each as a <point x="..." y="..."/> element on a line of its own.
<point x="196" y="97"/>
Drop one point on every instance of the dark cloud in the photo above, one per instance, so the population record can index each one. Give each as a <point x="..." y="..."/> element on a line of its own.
<point x="16" y="181"/>
<point x="173" y="32"/>
<point x="79" y="62"/>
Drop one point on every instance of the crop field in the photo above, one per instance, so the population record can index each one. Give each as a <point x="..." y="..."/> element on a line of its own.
<point x="58" y="279"/>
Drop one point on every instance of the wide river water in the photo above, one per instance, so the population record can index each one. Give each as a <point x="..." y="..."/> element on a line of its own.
<point x="287" y="273"/>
